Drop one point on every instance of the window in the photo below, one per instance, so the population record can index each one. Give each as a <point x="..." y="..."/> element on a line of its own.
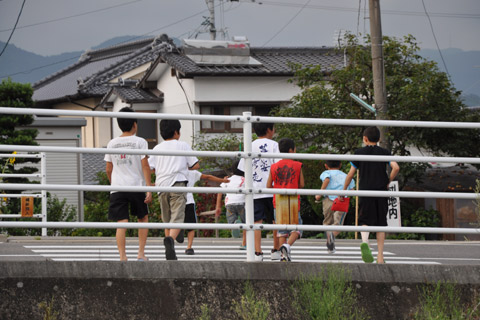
<point x="147" y="129"/>
<point x="222" y="110"/>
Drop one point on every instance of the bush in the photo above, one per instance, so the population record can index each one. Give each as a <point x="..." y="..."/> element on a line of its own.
<point x="56" y="211"/>
<point x="250" y="307"/>
<point x="417" y="218"/>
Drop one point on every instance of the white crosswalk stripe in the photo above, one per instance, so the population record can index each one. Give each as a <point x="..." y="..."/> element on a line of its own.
<point x="210" y="252"/>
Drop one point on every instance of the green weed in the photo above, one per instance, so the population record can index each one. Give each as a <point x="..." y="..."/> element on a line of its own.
<point x="329" y="295"/>
<point x="250" y="307"/>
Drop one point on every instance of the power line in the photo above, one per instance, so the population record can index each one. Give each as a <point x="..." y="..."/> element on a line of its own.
<point x="289" y="21"/>
<point x="131" y="39"/>
<point x="435" y="38"/>
<point x="73" y="16"/>
<point x="13" y="30"/>
<point x="393" y="12"/>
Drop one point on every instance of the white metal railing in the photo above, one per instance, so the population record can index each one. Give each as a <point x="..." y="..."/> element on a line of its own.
<point x="247" y="120"/>
<point x="43" y="180"/>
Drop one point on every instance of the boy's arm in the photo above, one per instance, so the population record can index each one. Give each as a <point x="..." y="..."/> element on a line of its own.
<point x="213" y="178"/>
<point x="148" y="178"/>
<point x="301" y="181"/>
<point x="395" y="170"/>
<point x="325" y="183"/>
<point x="270" y="180"/>
<point x="109" y="169"/>
<point x="218" y="207"/>
<point x="349" y="177"/>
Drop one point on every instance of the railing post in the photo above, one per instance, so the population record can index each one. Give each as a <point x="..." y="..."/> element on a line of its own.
<point x="249" y="219"/>
<point x="43" y="172"/>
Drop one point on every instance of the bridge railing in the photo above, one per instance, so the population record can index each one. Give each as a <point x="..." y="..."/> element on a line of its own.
<point x="247" y="119"/>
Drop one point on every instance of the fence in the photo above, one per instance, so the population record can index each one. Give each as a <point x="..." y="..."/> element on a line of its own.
<point x="43" y="180"/>
<point x="247" y="119"/>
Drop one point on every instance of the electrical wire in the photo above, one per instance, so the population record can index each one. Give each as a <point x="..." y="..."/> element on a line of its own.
<point x="289" y="21"/>
<point x="72" y="16"/>
<point x="14" y="27"/>
<point x="131" y="39"/>
<point x="393" y="12"/>
<point x="436" y="42"/>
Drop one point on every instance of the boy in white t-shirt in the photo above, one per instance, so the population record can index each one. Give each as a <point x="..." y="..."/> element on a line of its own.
<point x="190" y="213"/>
<point x="263" y="203"/>
<point x="128" y="170"/>
<point x="234" y="202"/>
<point x="172" y="171"/>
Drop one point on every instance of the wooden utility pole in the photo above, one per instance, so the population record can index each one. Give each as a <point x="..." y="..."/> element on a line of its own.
<point x="379" y="87"/>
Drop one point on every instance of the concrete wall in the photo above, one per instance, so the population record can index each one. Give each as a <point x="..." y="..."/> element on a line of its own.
<point x="177" y="289"/>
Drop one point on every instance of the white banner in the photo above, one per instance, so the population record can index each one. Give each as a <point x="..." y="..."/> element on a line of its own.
<point x="393" y="215"/>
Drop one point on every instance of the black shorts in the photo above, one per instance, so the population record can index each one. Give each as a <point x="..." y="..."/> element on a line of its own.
<point x="372" y="211"/>
<point x="120" y="202"/>
<point x="190" y="214"/>
<point x="263" y="210"/>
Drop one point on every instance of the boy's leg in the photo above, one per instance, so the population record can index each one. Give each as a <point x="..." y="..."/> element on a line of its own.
<point x="190" y="236"/>
<point x="258" y="238"/>
<point x="380" y="245"/>
<point x="120" y="237"/>
<point x="177" y="207"/>
<point x="142" y="239"/>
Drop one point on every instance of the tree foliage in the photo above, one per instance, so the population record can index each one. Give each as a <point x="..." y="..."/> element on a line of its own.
<point x="12" y="127"/>
<point x="416" y="90"/>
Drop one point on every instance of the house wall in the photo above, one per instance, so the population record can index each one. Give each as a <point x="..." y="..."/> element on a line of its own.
<point x="97" y="132"/>
<point x="254" y="89"/>
<point x="62" y="168"/>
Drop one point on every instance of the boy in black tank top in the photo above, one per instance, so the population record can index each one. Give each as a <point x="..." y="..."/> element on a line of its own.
<point x="372" y="176"/>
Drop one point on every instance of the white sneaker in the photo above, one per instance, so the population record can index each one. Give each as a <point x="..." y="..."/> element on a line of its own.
<point x="259" y="257"/>
<point x="276" y="255"/>
<point x="285" y="253"/>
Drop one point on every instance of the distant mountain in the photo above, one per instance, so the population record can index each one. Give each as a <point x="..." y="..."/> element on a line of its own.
<point x="464" y="69"/>
<point x="23" y="66"/>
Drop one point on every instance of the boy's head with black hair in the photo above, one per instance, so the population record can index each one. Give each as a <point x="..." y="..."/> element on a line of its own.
<point x="285" y="145"/>
<point x="333" y="164"/>
<point x="372" y="134"/>
<point x="168" y="128"/>
<point x="126" y="124"/>
<point x="261" y="128"/>
<point x="235" y="170"/>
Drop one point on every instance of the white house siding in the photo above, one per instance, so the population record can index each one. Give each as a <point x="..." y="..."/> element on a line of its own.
<point x="254" y="89"/>
<point x="62" y="168"/>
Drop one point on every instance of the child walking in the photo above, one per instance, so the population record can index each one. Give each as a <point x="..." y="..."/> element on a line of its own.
<point x="263" y="203"/>
<point x="172" y="171"/>
<point x="190" y="213"/>
<point x="287" y="174"/>
<point x="373" y="176"/>
<point x="234" y="202"/>
<point x="333" y="179"/>
<point x="128" y="170"/>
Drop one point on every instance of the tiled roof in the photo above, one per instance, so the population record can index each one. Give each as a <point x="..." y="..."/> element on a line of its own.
<point x="92" y="163"/>
<point x="274" y="61"/>
<point x="132" y="95"/>
<point x="90" y="75"/>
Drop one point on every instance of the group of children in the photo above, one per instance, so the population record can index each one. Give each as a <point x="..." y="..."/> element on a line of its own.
<point x="181" y="171"/>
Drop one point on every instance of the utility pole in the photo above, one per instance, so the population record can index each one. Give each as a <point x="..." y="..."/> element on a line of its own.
<point x="379" y="87"/>
<point x="211" y="8"/>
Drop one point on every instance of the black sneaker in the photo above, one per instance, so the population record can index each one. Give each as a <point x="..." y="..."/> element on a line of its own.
<point x="169" y="248"/>
<point x="330" y="242"/>
<point x="190" y="251"/>
<point x="180" y="236"/>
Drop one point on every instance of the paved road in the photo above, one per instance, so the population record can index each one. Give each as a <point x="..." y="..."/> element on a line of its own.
<point x="210" y="249"/>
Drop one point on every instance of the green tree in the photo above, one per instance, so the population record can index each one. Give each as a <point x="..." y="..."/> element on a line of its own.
<point x="416" y="89"/>
<point x="13" y="131"/>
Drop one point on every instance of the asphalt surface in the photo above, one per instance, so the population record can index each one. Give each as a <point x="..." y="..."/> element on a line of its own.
<point x="220" y="249"/>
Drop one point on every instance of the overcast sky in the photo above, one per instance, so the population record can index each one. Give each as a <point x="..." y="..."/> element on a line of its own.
<point x="50" y="27"/>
